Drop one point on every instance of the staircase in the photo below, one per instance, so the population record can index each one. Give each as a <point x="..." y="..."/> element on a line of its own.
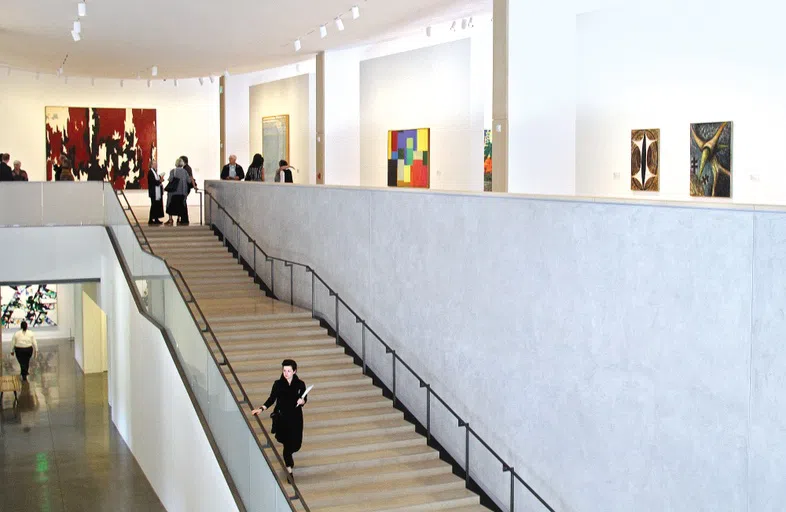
<point x="359" y="453"/>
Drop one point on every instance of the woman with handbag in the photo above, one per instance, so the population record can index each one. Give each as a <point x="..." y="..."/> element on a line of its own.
<point x="288" y="395"/>
<point x="177" y="190"/>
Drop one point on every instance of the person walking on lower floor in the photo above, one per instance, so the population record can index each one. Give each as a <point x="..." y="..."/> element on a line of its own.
<point x="24" y="346"/>
<point x="287" y="394"/>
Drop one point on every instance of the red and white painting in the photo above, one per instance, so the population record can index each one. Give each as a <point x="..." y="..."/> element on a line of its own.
<point x="113" y="144"/>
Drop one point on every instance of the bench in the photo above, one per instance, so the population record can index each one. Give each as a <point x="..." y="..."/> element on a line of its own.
<point x="9" y="383"/>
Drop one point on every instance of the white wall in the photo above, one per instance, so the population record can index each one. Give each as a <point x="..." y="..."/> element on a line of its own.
<point x="342" y="117"/>
<point x="671" y="65"/>
<point x="238" y="106"/>
<point x="628" y="368"/>
<point x="187" y="116"/>
<point x="291" y="96"/>
<point x="426" y="88"/>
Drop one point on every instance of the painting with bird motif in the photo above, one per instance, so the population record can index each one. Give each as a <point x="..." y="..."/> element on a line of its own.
<point x="645" y="160"/>
<point x="710" y="159"/>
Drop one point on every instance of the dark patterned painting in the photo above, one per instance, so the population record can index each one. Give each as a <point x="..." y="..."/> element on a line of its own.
<point x="710" y="159"/>
<point x="113" y="144"/>
<point x="37" y="304"/>
<point x="645" y="160"/>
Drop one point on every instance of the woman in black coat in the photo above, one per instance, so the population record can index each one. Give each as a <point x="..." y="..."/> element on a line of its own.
<point x="155" y="190"/>
<point x="287" y="393"/>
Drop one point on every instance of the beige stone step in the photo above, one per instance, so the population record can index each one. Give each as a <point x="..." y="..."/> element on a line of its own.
<point x="209" y="280"/>
<point x="360" y="445"/>
<point x="303" y="364"/>
<point x="227" y="294"/>
<point x="233" y="319"/>
<point x="441" y="500"/>
<point x="284" y="328"/>
<point x="388" y="475"/>
<point x="254" y="326"/>
<point x="362" y="492"/>
<point x="263" y="343"/>
<point x="278" y="354"/>
<point x="191" y="250"/>
<point x="355" y="461"/>
<point x="159" y="242"/>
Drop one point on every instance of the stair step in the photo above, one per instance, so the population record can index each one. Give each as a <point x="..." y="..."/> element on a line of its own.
<point x="274" y="354"/>
<point x="283" y="344"/>
<point x="359" y="428"/>
<point x="232" y="319"/>
<point x="302" y="363"/>
<point x="270" y="334"/>
<point x="390" y="473"/>
<point x="347" y="447"/>
<point x="252" y="327"/>
<point x="441" y="500"/>
<point x="349" y="404"/>
<point x="210" y="280"/>
<point x="355" y="461"/>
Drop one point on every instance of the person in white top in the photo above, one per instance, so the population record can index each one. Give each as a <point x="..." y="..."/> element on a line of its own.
<point x="24" y="346"/>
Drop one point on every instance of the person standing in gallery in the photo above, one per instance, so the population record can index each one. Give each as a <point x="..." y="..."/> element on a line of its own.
<point x="155" y="190"/>
<point x="177" y="190"/>
<point x="6" y="174"/>
<point x="65" y="170"/>
<point x="24" y="346"/>
<point x="232" y="171"/>
<point x="287" y="394"/>
<point x="19" y="173"/>
<point x="256" y="171"/>
<point x="284" y="172"/>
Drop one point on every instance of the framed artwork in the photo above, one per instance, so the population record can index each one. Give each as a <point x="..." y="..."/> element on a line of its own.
<point x="113" y="144"/>
<point x="645" y="160"/>
<point x="487" y="161"/>
<point x="275" y="141"/>
<point x="710" y="159"/>
<point x="409" y="158"/>
<point x="37" y="304"/>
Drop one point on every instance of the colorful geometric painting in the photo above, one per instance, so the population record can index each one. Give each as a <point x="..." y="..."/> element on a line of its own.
<point x="275" y="142"/>
<point x="37" y="304"/>
<point x="710" y="159"/>
<point x="114" y="144"/>
<point x="408" y="158"/>
<point x="645" y="160"/>
<point x="487" y="160"/>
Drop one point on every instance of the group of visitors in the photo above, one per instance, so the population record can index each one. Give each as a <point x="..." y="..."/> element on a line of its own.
<point x="7" y="173"/>
<point x="256" y="171"/>
<point x="180" y="183"/>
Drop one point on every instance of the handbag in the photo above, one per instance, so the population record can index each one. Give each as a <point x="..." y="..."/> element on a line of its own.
<point x="172" y="185"/>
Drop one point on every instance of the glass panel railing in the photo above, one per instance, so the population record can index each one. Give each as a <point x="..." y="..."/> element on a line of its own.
<point x="170" y="303"/>
<point x="30" y="204"/>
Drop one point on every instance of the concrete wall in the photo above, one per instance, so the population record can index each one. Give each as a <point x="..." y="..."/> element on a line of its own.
<point x="621" y="356"/>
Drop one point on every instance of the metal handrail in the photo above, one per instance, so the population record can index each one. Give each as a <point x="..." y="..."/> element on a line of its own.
<point x="269" y="443"/>
<point x="388" y="350"/>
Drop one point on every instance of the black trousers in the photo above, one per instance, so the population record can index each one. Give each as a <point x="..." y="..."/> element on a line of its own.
<point x="288" y="460"/>
<point x="23" y="355"/>
<point x="184" y="213"/>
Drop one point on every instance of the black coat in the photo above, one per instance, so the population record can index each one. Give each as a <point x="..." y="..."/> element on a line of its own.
<point x="289" y="427"/>
<point x="238" y="171"/>
<point x="6" y="173"/>
<point x="153" y="181"/>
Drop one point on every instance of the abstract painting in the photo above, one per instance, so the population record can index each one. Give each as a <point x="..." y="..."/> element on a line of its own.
<point x="710" y="159"/>
<point x="37" y="304"/>
<point x="408" y="158"/>
<point x="645" y="160"/>
<point x="275" y="141"/>
<point x="114" y="144"/>
<point x="487" y="160"/>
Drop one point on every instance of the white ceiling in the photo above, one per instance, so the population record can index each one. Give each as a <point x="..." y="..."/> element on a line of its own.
<point x="190" y="38"/>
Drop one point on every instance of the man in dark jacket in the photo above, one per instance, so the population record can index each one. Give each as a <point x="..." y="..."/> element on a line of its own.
<point x="6" y="173"/>
<point x="232" y="171"/>
<point x="284" y="173"/>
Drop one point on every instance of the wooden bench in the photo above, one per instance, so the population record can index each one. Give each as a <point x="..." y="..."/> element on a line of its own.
<point x="9" y="383"/>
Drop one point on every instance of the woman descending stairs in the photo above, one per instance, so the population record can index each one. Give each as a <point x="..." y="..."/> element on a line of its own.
<point x="359" y="453"/>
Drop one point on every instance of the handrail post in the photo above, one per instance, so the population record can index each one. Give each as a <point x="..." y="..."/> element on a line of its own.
<point x="338" y="336"/>
<point x="428" y="413"/>
<point x="272" y="277"/>
<point x="512" y="490"/>
<point x="313" y="294"/>
<point x="254" y="248"/>
<point x="466" y="454"/>
<point x="363" y="331"/>
<point x="201" y="222"/>
<point x="291" y="285"/>
<point x="394" y="378"/>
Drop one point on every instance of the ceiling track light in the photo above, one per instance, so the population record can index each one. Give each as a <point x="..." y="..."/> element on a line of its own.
<point x="297" y="45"/>
<point x="210" y="78"/>
<point x="175" y="82"/>
<point x="154" y="71"/>
<point x="148" y="83"/>
<point x="464" y="24"/>
<point x="121" y="84"/>
<point x="201" y="80"/>
<point x="428" y="31"/>
<point x="470" y="24"/>
<point x="81" y="9"/>
<point x="453" y="26"/>
<point x="226" y="73"/>
<point x="339" y="23"/>
<point x="355" y="12"/>
<point x="76" y="36"/>
<point x="322" y="31"/>
<point x="78" y="27"/>
<point x="60" y="71"/>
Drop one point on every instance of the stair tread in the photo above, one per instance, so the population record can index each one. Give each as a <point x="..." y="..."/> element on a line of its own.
<point x="406" y="502"/>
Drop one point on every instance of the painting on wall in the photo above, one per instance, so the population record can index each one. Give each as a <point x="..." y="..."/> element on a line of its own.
<point x="645" y="160"/>
<point x="275" y="142"/>
<point x="409" y="158"/>
<point x="487" y="160"/>
<point x="113" y="144"/>
<point x="710" y="159"/>
<point x="37" y="304"/>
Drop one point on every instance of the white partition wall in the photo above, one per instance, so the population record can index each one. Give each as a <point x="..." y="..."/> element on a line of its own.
<point x="620" y="356"/>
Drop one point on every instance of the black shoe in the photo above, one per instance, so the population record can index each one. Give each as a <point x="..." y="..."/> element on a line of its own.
<point x="290" y="478"/>
<point x="151" y="222"/>
<point x="182" y="223"/>
<point x="157" y="221"/>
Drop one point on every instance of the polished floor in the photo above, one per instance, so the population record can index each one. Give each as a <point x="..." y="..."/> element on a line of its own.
<point x="59" y="450"/>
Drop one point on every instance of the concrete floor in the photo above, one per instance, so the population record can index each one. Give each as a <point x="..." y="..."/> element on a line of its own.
<point x="59" y="450"/>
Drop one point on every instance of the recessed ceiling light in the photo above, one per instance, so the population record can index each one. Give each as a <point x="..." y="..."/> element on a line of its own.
<point x="339" y="24"/>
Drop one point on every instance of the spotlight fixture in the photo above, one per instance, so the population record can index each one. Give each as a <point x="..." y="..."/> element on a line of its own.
<point x="453" y="26"/>
<point x="211" y="78"/>
<point x="470" y="24"/>
<point x="339" y="23"/>
<point x="226" y="73"/>
<point x="355" y="12"/>
<point x="78" y="27"/>
<point x="81" y="9"/>
<point x="60" y="71"/>
<point x="154" y="71"/>
<point x="464" y="24"/>
<point x="148" y="83"/>
<point x="428" y="31"/>
<point x="121" y="84"/>
<point x="322" y="31"/>
<point x="76" y="35"/>
<point x="297" y="45"/>
<point x="201" y="80"/>
<point x="175" y="82"/>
